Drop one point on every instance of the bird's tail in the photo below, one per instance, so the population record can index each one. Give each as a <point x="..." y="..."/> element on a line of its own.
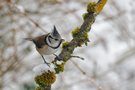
<point x="29" y="39"/>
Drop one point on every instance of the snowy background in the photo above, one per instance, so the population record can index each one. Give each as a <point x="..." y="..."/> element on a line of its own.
<point x="109" y="57"/>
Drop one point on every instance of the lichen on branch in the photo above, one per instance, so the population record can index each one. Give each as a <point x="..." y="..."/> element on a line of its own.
<point x="80" y="34"/>
<point x="80" y="37"/>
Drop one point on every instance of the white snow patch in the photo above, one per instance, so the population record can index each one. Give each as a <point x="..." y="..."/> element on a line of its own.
<point x="59" y="62"/>
<point x="38" y="70"/>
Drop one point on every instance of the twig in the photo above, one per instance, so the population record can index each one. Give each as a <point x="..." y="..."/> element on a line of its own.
<point x="77" y="57"/>
<point x="25" y="14"/>
<point x="90" y="79"/>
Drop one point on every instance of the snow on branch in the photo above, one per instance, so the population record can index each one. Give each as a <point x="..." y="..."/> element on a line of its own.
<point x="46" y="77"/>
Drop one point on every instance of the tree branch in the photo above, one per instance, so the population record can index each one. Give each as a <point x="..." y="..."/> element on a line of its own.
<point x="80" y="37"/>
<point x="80" y="34"/>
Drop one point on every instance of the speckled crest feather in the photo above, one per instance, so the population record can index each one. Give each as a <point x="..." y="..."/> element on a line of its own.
<point x="55" y="33"/>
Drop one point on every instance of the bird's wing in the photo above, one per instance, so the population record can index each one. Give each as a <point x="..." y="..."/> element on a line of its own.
<point x="40" y="41"/>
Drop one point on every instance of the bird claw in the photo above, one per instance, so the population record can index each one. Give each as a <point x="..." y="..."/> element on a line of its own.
<point x="57" y="57"/>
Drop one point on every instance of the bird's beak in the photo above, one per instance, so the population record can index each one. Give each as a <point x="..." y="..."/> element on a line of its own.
<point x="62" y="40"/>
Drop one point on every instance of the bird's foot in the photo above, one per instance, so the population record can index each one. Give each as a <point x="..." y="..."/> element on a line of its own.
<point x="57" y="57"/>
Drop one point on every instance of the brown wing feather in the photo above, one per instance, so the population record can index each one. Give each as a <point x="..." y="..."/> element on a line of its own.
<point x="40" y="41"/>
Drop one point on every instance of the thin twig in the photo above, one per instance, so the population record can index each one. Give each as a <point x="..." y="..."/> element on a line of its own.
<point x="93" y="81"/>
<point x="77" y="57"/>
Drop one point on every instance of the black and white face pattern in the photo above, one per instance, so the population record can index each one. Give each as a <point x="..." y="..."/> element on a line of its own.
<point x="54" y="38"/>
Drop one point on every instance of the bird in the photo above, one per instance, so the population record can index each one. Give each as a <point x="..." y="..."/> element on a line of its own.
<point x="47" y="44"/>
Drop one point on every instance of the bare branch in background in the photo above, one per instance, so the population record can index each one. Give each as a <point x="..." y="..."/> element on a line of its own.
<point x="111" y="45"/>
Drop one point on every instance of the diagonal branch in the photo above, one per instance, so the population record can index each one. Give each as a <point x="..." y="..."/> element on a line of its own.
<point x="80" y="37"/>
<point x="80" y="34"/>
<point x="68" y="49"/>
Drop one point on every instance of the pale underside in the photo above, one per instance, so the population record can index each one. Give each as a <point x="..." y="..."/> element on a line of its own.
<point x="46" y="50"/>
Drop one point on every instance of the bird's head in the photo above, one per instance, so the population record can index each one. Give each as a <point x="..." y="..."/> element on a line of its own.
<point x="54" y="38"/>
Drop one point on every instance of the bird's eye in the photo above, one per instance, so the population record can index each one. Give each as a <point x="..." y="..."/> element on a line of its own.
<point x="56" y="39"/>
<point x="53" y="38"/>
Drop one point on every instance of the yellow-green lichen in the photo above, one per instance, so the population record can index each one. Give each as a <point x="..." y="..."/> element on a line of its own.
<point x="85" y="15"/>
<point x="75" y="31"/>
<point x="59" y="68"/>
<point x="83" y="39"/>
<point x="39" y="88"/>
<point x="65" y="44"/>
<point x="47" y="78"/>
<point x="91" y="7"/>
<point x="85" y="35"/>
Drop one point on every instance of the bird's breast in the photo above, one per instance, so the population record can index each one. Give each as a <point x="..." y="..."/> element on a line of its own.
<point x="46" y="50"/>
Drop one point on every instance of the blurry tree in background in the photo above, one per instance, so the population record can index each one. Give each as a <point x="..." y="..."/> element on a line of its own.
<point x="109" y="57"/>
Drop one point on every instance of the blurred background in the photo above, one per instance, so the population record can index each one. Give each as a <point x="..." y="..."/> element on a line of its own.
<point x="109" y="57"/>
